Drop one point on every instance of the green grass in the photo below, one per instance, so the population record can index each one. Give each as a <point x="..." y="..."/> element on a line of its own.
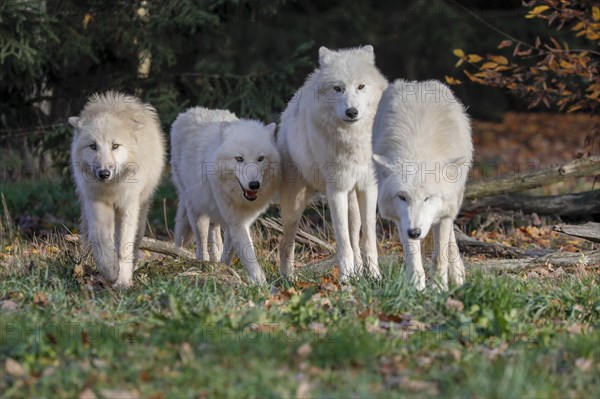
<point x="174" y="336"/>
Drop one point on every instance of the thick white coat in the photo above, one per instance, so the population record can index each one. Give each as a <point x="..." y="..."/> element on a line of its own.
<point x="324" y="140"/>
<point x="117" y="155"/>
<point x="423" y="152"/>
<point x="216" y="160"/>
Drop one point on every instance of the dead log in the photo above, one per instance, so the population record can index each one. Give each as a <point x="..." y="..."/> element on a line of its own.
<point x="470" y="246"/>
<point x="587" y="203"/>
<point x="589" y="231"/>
<point x="543" y="177"/>
<point x="555" y="259"/>
<point x="152" y="245"/>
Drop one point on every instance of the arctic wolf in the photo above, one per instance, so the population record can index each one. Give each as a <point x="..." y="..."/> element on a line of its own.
<point x="226" y="171"/>
<point x="118" y="157"/>
<point x="423" y="147"/>
<point x="324" y="143"/>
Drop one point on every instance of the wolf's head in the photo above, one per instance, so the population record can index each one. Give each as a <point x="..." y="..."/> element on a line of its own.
<point x="103" y="144"/>
<point x="248" y="159"/>
<point x="418" y="195"/>
<point x="349" y="84"/>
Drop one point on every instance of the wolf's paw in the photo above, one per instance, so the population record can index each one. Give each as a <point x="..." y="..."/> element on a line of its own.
<point x="257" y="279"/>
<point x="372" y="267"/>
<point x="122" y="284"/>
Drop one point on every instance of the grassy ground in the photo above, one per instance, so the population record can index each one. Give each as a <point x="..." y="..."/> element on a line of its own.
<point x="189" y="329"/>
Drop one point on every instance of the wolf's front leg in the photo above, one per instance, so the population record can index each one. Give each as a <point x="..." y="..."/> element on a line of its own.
<point x="456" y="270"/>
<point x="215" y="245"/>
<point x="129" y="219"/>
<point x="338" y="206"/>
<point x="100" y="222"/>
<point x="367" y="201"/>
<point x="354" y="227"/>
<point x="414" y="263"/>
<point x="242" y="242"/>
<point x="441" y="239"/>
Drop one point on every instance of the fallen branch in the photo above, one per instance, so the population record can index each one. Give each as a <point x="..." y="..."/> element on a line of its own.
<point x="587" y="203"/>
<point x="302" y="237"/>
<point x="470" y="245"/>
<point x="543" y="177"/>
<point x="152" y="245"/>
<point x="589" y="231"/>
<point x="556" y="259"/>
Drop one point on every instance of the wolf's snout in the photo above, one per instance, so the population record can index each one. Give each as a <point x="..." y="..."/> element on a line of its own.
<point x="103" y="174"/>
<point x="352" y="112"/>
<point x="414" y="233"/>
<point x="254" y="185"/>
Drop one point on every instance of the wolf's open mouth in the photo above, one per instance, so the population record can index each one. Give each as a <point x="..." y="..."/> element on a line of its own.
<point x="250" y="195"/>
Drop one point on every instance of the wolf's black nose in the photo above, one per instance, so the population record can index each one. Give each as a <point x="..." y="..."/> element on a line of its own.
<point x="103" y="174"/>
<point x="254" y="185"/>
<point x="414" y="233"/>
<point x="352" y="112"/>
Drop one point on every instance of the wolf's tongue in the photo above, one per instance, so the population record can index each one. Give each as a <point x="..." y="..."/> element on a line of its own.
<point x="250" y="195"/>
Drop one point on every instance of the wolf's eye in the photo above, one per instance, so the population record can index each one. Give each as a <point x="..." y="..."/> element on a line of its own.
<point x="93" y="146"/>
<point x="426" y="199"/>
<point x="337" y="88"/>
<point x="115" y="146"/>
<point x="239" y="159"/>
<point x="261" y="158"/>
<point x="360" y="87"/>
<point x="402" y="198"/>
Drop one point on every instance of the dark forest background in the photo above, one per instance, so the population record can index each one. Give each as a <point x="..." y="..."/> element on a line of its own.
<point x="245" y="55"/>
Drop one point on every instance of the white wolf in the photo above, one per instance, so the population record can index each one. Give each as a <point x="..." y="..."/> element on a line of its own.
<point x="423" y="147"/>
<point x="118" y="158"/>
<point x="226" y="171"/>
<point x="324" y="141"/>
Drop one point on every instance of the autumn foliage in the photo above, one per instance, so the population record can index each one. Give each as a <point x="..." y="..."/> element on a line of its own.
<point x="548" y="71"/>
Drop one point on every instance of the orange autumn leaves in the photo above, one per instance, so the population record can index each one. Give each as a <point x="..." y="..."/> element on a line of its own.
<point x="547" y="72"/>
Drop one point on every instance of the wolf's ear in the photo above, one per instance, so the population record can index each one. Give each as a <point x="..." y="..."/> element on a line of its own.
<point x="384" y="164"/>
<point x="225" y="129"/>
<point x="136" y="122"/>
<point x="271" y="127"/>
<point x="76" y="122"/>
<point x="369" y="53"/>
<point x="325" y="56"/>
<point x="137" y="125"/>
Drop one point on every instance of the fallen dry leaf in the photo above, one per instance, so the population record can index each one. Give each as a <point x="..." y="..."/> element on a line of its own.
<point x="87" y="394"/>
<point x="304" y="350"/>
<point x="14" y="368"/>
<point x="454" y="304"/>
<point x="119" y="394"/>
<point x="584" y="364"/>
<point x="40" y="299"/>
<point x="8" y="306"/>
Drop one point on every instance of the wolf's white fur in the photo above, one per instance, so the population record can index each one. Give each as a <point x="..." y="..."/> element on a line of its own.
<point x="215" y="159"/>
<point x="325" y="149"/>
<point x="118" y="158"/>
<point x="423" y="147"/>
